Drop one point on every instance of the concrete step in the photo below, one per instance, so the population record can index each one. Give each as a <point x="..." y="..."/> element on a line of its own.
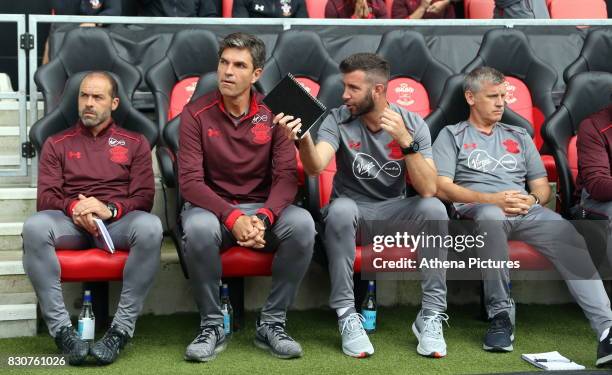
<point x="10" y="236"/>
<point x="17" y="203"/>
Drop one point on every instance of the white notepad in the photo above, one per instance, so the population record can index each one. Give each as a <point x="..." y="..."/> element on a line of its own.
<point x="107" y="240"/>
<point x="551" y="361"/>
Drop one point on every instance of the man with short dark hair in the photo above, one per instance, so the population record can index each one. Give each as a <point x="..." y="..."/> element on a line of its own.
<point x="237" y="172"/>
<point x="493" y="174"/>
<point x="376" y="145"/>
<point x="93" y="170"/>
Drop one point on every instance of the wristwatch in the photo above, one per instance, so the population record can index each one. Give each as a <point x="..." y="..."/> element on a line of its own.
<point x="113" y="209"/>
<point x="265" y="219"/>
<point x="537" y="200"/>
<point x="412" y="148"/>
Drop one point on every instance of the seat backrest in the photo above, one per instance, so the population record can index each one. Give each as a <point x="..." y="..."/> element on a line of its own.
<point x="476" y="9"/>
<point x="226" y="8"/>
<point x="595" y="55"/>
<point x="586" y="93"/>
<point x="172" y="80"/>
<point x="417" y="78"/>
<point x="453" y="109"/>
<point x="530" y="79"/>
<point x="578" y="9"/>
<point x="316" y="8"/>
<point x="66" y="114"/>
<point x="314" y="62"/>
<point x="84" y="49"/>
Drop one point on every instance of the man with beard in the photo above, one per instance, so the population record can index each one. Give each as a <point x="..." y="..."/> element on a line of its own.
<point x="376" y="145"/>
<point x="237" y="172"/>
<point x="93" y="170"/>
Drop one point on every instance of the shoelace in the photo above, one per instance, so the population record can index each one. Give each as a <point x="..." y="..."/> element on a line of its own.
<point x="433" y="324"/>
<point x="500" y="324"/>
<point x="112" y="339"/>
<point x="69" y="338"/>
<point x="278" y="329"/>
<point x="205" y="334"/>
<point x="353" y="323"/>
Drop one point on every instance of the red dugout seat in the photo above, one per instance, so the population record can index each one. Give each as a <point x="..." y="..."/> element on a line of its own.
<point x="478" y="9"/>
<point x="316" y="8"/>
<point x="226" y="8"/>
<point x="577" y="9"/>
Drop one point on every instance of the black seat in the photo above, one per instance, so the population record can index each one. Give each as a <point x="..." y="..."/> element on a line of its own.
<point x="452" y="108"/>
<point x="596" y="54"/>
<point x="301" y="53"/>
<point x="84" y="49"/>
<point x="587" y="93"/>
<point x="508" y="51"/>
<point x="415" y="74"/>
<point x="172" y="80"/>
<point x="66" y="114"/>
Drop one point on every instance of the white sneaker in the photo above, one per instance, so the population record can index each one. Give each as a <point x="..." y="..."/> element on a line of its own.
<point x="428" y="330"/>
<point x="355" y="341"/>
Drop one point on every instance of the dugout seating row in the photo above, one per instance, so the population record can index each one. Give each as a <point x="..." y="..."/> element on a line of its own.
<point x="560" y="9"/>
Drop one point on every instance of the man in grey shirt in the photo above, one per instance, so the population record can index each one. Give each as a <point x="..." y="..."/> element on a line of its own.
<point x="376" y="145"/>
<point x="484" y="167"/>
<point x="520" y="9"/>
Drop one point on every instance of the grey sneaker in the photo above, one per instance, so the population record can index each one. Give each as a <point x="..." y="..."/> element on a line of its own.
<point x="207" y="344"/>
<point x="272" y="336"/>
<point x="355" y="341"/>
<point x="428" y="330"/>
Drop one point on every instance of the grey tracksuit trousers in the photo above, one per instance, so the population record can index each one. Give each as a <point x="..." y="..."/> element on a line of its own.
<point x="556" y="239"/>
<point x="523" y="9"/>
<point x="204" y="238"/>
<point x="342" y="220"/>
<point x="138" y="231"/>
<point x="601" y="208"/>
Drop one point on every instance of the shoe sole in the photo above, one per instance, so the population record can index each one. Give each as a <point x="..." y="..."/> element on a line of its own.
<point x="500" y="349"/>
<point x="603" y="361"/>
<point x="356" y="355"/>
<point x="264" y="346"/>
<point x="420" y="350"/>
<point x="218" y="350"/>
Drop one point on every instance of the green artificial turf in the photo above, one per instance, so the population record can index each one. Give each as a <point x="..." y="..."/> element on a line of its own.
<point x="160" y="342"/>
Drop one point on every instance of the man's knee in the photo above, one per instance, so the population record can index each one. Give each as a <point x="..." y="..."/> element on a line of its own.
<point x="147" y="227"/>
<point x="431" y="209"/>
<point x="201" y="228"/>
<point x="302" y="227"/>
<point x="488" y="212"/>
<point x="342" y="215"/>
<point x="38" y="226"/>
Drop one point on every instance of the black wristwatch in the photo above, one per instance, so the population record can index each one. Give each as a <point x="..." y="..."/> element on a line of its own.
<point x="113" y="209"/>
<point x="537" y="200"/>
<point x="265" y="219"/>
<point x="412" y="148"/>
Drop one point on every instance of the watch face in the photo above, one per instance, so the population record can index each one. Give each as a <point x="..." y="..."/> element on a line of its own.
<point x="415" y="146"/>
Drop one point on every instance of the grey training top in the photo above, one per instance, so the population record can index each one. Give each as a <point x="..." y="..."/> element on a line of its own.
<point x="503" y="160"/>
<point x="370" y="166"/>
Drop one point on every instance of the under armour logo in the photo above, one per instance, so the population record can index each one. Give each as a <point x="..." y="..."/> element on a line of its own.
<point x="115" y="142"/>
<point x="259" y="7"/>
<point x="259" y="118"/>
<point x="365" y="167"/>
<point x="74" y="154"/>
<point x="213" y="133"/>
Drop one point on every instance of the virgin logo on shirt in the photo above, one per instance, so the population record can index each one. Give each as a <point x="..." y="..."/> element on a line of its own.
<point x="395" y="150"/>
<point x="119" y="154"/>
<point x="480" y="160"/>
<point x="511" y="146"/>
<point x="74" y="154"/>
<point x="353" y="145"/>
<point x="365" y="167"/>
<point x="115" y="142"/>
<point x="95" y="4"/>
<point x="259" y="118"/>
<point x="261" y="133"/>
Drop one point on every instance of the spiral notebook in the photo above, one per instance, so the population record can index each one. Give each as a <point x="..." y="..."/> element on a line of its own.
<point x="291" y="98"/>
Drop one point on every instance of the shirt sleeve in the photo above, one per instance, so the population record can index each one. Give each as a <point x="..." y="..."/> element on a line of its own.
<point x="302" y="11"/>
<point x="381" y="9"/>
<point x="593" y="162"/>
<point x="330" y="10"/>
<point x="445" y="154"/>
<point x="50" y="192"/>
<point x="401" y="9"/>
<point x="421" y="135"/>
<point x="207" y="8"/>
<point x="329" y="132"/>
<point x="533" y="160"/>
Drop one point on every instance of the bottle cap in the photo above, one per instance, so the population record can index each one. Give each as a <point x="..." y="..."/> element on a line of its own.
<point x="87" y="297"/>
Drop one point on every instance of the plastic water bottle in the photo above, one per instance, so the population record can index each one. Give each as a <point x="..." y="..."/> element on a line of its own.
<point x="87" y="321"/>
<point x="228" y="312"/>
<point x="368" y="308"/>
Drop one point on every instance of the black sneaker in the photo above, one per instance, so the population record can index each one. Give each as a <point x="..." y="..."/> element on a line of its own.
<point x="71" y="344"/>
<point x="604" y="351"/>
<point x="499" y="337"/>
<point x="107" y="349"/>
